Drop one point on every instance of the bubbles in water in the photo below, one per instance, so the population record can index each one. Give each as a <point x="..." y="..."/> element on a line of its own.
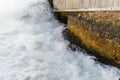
<point x="32" y="47"/>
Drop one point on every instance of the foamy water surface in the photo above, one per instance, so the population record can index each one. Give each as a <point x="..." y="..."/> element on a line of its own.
<point x="32" y="46"/>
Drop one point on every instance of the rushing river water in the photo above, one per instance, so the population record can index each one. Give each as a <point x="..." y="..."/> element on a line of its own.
<point x="32" y="46"/>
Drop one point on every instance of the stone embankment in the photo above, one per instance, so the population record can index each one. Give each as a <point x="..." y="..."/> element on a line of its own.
<point x="98" y="32"/>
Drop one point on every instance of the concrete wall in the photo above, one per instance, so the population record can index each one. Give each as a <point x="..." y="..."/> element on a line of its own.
<point x="86" y="5"/>
<point x="99" y="32"/>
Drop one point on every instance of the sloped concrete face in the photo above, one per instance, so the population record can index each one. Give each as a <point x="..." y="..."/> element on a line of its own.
<point x="99" y="32"/>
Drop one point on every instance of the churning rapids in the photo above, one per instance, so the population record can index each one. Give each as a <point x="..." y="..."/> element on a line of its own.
<point x="32" y="46"/>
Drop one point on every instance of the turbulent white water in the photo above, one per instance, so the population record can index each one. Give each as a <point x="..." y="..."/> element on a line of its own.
<point x="32" y="46"/>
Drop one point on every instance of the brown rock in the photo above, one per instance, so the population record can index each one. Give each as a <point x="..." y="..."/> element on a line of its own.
<point x="99" y="32"/>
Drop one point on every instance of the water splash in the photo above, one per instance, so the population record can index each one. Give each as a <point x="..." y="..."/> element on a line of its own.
<point x="32" y="46"/>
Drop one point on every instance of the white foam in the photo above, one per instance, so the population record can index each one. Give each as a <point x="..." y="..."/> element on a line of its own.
<point x="32" y="46"/>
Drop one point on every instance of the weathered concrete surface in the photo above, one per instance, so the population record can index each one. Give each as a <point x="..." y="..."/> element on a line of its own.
<point x="86" y="5"/>
<point x="99" y="32"/>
